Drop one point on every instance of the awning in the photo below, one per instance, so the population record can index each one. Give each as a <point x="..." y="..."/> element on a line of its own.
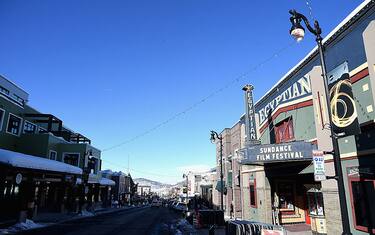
<point x="218" y="186"/>
<point x="106" y="182"/>
<point x="21" y="160"/>
<point x="93" y="179"/>
<point x="97" y="179"/>
<point x="307" y="170"/>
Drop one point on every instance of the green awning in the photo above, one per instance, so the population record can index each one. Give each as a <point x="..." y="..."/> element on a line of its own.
<point x="218" y="186"/>
<point x="307" y="170"/>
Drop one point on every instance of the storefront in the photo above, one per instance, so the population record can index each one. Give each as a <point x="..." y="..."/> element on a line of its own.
<point x="31" y="184"/>
<point x="282" y="189"/>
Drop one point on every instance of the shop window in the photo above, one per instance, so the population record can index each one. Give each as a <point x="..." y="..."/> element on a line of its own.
<point x="284" y="131"/>
<point x="53" y="155"/>
<point x="14" y="124"/>
<point x="362" y="193"/>
<point x="315" y="201"/>
<point x="253" y="193"/>
<point x="2" y="114"/>
<point x="71" y="158"/>
<point x="29" y="127"/>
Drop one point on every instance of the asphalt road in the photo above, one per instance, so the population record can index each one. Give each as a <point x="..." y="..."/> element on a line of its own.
<point x="135" y="221"/>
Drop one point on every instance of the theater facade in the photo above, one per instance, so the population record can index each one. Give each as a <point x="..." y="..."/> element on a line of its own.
<point x="291" y="119"/>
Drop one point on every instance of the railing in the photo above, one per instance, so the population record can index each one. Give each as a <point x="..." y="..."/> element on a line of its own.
<point x="245" y="227"/>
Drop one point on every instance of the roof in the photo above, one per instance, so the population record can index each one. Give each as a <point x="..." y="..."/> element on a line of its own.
<point x="21" y="160"/>
<point x="330" y="36"/>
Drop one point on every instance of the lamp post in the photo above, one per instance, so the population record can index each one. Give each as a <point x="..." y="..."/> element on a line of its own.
<point x="298" y="32"/>
<point x="215" y="136"/>
<point x="187" y="186"/>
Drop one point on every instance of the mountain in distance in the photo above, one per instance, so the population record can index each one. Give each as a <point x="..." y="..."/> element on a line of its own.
<point x="155" y="185"/>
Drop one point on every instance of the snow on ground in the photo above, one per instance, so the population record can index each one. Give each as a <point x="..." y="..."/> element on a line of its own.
<point x="175" y="227"/>
<point x="85" y="213"/>
<point x="29" y="224"/>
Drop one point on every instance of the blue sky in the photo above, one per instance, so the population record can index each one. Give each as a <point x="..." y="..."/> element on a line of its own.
<point x="114" y="69"/>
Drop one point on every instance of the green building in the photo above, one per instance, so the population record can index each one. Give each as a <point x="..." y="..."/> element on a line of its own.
<point x="44" y="166"/>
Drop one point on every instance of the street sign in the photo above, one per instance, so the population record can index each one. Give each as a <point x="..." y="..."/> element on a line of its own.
<point x="318" y="160"/>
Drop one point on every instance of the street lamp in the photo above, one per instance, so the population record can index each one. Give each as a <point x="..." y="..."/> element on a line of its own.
<point x="298" y="32"/>
<point x="187" y="186"/>
<point x="215" y="136"/>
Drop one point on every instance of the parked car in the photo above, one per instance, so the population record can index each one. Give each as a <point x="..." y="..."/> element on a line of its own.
<point x="182" y="207"/>
<point x="156" y="203"/>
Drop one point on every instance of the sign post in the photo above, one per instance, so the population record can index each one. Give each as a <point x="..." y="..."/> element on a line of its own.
<point x="318" y="160"/>
<point x="250" y="125"/>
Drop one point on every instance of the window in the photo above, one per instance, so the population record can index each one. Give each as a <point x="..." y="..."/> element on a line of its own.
<point x="14" y="124"/>
<point x="4" y="91"/>
<point x="52" y="155"/>
<point x="2" y="114"/>
<point x="71" y="158"/>
<point x="29" y="127"/>
<point x="284" y="131"/>
<point x="18" y="99"/>
<point x="253" y="193"/>
<point x="362" y="193"/>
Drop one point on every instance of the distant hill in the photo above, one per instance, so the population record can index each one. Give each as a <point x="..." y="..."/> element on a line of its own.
<point x="155" y="185"/>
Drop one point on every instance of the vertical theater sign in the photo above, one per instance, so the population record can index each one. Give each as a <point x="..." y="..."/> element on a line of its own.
<point x="342" y="104"/>
<point x="250" y="124"/>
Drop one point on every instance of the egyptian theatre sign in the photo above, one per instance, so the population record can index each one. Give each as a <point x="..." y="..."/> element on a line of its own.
<point x="293" y="90"/>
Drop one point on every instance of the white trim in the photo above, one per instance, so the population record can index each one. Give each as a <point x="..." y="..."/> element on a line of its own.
<point x="20" y="126"/>
<point x="49" y="155"/>
<point x="326" y="38"/>
<point x="358" y="69"/>
<point x="11" y="100"/>
<point x="63" y="157"/>
<point x="2" y="119"/>
<point x="26" y="121"/>
<point x="304" y="99"/>
<point x="253" y="170"/>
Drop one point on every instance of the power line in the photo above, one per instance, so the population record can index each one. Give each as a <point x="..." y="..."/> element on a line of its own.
<point x="310" y="10"/>
<point x="203" y="100"/>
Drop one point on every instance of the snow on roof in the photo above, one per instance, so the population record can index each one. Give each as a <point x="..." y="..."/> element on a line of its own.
<point x="105" y="181"/>
<point x="21" y="160"/>
<point x="327" y="38"/>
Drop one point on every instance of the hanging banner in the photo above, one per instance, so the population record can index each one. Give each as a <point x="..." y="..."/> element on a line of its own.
<point x="250" y="125"/>
<point x="342" y="104"/>
<point x="319" y="170"/>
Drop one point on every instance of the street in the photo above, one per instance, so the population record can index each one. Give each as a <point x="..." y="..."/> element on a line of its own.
<point x="135" y="221"/>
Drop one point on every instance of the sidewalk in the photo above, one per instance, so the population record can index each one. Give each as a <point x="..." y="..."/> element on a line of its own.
<point x="52" y="218"/>
<point x="218" y="231"/>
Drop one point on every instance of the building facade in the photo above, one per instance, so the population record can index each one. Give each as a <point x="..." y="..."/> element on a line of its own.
<point x="277" y="174"/>
<point x="44" y="165"/>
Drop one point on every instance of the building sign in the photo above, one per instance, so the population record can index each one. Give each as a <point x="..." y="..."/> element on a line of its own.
<point x="250" y="125"/>
<point x="318" y="160"/>
<point x="18" y="178"/>
<point x="342" y="104"/>
<point x="269" y="153"/>
<point x="295" y="90"/>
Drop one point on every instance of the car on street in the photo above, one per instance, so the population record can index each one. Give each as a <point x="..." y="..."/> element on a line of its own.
<point x="182" y="207"/>
<point x="156" y="203"/>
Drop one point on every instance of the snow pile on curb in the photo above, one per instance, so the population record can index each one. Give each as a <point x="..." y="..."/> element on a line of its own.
<point x="184" y="228"/>
<point x="29" y="224"/>
<point x="85" y="213"/>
